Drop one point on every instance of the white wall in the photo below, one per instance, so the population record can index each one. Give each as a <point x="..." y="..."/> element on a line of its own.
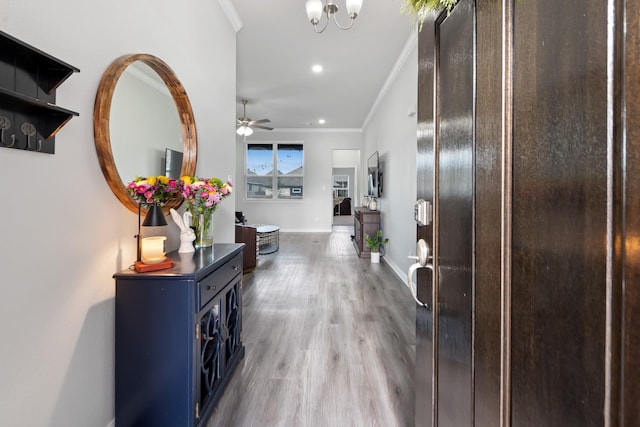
<point x="63" y="232"/>
<point x="314" y="212"/>
<point x="392" y="132"/>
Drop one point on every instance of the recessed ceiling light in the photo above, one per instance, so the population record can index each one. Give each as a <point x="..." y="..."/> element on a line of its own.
<point x="317" y="68"/>
<point x="322" y="121"/>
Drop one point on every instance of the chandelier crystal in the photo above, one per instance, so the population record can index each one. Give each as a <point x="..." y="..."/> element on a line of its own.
<point x="315" y="8"/>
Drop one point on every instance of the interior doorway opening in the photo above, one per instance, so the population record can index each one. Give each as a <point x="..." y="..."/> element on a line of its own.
<point x="344" y="185"/>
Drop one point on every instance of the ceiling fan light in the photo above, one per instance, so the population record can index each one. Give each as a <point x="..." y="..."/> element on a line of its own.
<point x="244" y="130"/>
<point x="314" y="10"/>
<point x="353" y="7"/>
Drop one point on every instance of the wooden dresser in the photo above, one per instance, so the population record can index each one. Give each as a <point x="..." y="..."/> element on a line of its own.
<point x="365" y="221"/>
<point x="248" y="235"/>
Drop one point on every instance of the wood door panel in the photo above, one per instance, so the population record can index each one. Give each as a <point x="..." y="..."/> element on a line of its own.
<point x="630" y="406"/>
<point x="488" y="224"/>
<point x="627" y="228"/>
<point x="555" y="218"/>
<point x="559" y="213"/>
<point x="424" y="168"/>
<point x="455" y="77"/>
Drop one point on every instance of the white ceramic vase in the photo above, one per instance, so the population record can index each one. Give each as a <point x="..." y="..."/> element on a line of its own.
<point x="375" y="257"/>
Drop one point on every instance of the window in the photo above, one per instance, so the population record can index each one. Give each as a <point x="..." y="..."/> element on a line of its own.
<point x="284" y="182"/>
<point x="340" y="186"/>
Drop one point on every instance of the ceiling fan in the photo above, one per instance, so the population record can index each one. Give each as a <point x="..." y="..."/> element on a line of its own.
<point x="246" y="125"/>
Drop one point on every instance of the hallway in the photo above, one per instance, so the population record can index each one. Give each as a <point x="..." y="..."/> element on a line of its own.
<point x="329" y="340"/>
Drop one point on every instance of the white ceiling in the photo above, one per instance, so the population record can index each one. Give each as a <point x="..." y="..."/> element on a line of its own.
<point x="277" y="46"/>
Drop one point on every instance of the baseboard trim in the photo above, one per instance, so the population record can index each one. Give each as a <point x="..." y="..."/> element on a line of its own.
<point x="306" y="230"/>
<point x="400" y="273"/>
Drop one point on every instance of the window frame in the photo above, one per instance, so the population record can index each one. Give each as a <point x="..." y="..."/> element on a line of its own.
<point x="339" y="189"/>
<point x="275" y="189"/>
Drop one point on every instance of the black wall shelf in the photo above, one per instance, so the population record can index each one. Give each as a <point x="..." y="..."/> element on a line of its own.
<point x="29" y="118"/>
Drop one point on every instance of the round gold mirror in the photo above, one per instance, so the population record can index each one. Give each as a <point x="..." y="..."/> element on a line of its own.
<point x="119" y="156"/>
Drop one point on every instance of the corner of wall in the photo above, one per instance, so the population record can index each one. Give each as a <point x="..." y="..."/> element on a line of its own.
<point x="232" y="14"/>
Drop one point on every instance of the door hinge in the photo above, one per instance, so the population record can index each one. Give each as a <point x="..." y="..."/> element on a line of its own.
<point x="197" y="409"/>
<point x="197" y="331"/>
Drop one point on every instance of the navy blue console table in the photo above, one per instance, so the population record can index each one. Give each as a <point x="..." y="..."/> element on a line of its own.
<point x="178" y="337"/>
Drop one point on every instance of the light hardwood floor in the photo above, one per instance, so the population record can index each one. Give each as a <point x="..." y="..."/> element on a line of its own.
<point x="330" y="340"/>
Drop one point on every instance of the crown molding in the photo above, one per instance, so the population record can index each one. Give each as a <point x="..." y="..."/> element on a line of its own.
<point x="232" y="14"/>
<point x="147" y="79"/>
<point x="404" y="55"/>
<point x="316" y="130"/>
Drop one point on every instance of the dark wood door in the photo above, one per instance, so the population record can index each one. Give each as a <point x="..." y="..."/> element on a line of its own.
<point x="453" y="206"/>
<point x="444" y="348"/>
<point x="525" y="148"/>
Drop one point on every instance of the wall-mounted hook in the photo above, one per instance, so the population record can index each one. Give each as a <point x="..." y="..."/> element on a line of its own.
<point x="39" y="146"/>
<point x="13" y="141"/>
<point x="5" y="123"/>
<point x="28" y="130"/>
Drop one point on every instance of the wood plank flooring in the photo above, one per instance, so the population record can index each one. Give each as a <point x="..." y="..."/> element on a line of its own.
<point x="329" y="337"/>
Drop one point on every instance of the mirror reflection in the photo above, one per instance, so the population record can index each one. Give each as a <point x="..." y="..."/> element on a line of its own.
<point x="144" y="125"/>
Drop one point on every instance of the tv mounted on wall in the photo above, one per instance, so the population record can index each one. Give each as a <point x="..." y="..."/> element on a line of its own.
<point x="172" y="163"/>
<point x="373" y="176"/>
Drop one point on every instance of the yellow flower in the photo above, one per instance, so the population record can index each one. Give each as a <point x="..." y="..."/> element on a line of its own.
<point x="187" y="180"/>
<point x="163" y="179"/>
<point x="151" y="180"/>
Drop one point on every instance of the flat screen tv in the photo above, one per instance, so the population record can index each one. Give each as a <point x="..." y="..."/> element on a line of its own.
<point x="373" y="176"/>
<point x="172" y="163"/>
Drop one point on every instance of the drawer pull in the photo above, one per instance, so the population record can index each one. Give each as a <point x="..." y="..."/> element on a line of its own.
<point x="236" y="267"/>
<point x="210" y="288"/>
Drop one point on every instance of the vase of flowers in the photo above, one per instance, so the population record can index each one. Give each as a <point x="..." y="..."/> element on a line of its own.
<point x="153" y="190"/>
<point x="202" y="196"/>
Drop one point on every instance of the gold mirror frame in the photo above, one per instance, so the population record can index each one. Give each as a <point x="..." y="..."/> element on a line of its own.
<point x="101" y="123"/>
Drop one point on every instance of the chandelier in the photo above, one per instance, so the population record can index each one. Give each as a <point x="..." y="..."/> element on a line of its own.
<point x="316" y="7"/>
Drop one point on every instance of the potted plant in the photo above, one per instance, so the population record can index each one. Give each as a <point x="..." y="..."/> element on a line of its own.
<point x="374" y="243"/>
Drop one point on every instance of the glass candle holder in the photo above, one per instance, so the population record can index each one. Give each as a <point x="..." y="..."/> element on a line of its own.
<point x="153" y="249"/>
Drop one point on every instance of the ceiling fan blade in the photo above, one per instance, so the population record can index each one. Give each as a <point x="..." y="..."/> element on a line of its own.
<point x="259" y="121"/>
<point x="261" y="127"/>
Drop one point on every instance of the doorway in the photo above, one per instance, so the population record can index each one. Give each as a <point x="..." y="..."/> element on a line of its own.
<point x="344" y="186"/>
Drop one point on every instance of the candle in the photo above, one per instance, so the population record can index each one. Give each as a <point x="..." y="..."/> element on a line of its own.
<point x="153" y="249"/>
